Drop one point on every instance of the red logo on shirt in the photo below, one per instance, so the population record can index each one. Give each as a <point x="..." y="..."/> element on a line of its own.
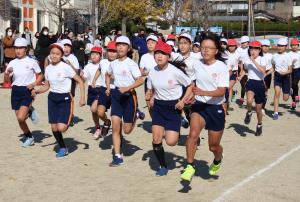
<point x="170" y="82"/>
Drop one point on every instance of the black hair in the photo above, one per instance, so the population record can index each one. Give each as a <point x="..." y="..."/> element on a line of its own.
<point x="44" y="28"/>
<point x="218" y="56"/>
<point x="260" y="53"/>
<point x="9" y="28"/>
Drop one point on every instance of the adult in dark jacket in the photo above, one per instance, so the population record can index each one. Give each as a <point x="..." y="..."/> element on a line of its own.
<point x="78" y="50"/>
<point x="42" y="47"/>
<point x="141" y="44"/>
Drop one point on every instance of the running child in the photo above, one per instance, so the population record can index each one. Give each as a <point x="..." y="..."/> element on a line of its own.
<point x="127" y="76"/>
<point x="104" y="101"/>
<point x="165" y="95"/>
<point x="58" y="78"/>
<point x="282" y="65"/>
<point x="256" y="67"/>
<point x="23" y="71"/>
<point x="295" y="57"/>
<point x="212" y="79"/>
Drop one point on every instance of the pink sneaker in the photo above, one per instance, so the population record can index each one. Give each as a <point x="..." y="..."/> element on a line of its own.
<point x="297" y="98"/>
<point x="293" y="106"/>
<point x="97" y="134"/>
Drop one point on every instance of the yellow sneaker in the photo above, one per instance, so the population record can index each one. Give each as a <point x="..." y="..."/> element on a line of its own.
<point x="188" y="173"/>
<point x="214" y="169"/>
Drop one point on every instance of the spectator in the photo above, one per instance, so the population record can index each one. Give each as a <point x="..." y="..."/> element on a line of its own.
<point x="90" y="35"/>
<point x="35" y="39"/>
<point x="110" y="37"/>
<point x="8" y="45"/>
<point x="27" y="35"/>
<point x="43" y="44"/>
<point x="78" y="49"/>
<point x="97" y="42"/>
<point x="142" y="44"/>
<point x="197" y="38"/>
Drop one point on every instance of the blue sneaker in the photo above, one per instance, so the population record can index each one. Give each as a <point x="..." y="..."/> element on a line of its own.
<point x="29" y="141"/>
<point x="116" y="161"/>
<point x="184" y="122"/>
<point x="62" y="152"/>
<point x="140" y="114"/>
<point x="275" y="116"/>
<point x="162" y="172"/>
<point x="33" y="115"/>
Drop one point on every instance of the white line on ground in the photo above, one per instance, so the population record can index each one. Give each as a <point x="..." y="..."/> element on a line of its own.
<point x="229" y="191"/>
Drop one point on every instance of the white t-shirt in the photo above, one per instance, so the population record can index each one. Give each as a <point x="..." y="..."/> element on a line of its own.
<point x="125" y="72"/>
<point x="104" y="66"/>
<point x="233" y="60"/>
<point x="243" y="52"/>
<point x="281" y="62"/>
<point x="59" y="77"/>
<point x="167" y="84"/>
<point x="295" y="56"/>
<point x="197" y="56"/>
<point x="268" y="57"/>
<point x="253" y="72"/>
<point x="73" y="60"/>
<point x="191" y="63"/>
<point x="147" y="62"/>
<point x="89" y="72"/>
<point x="211" y="77"/>
<point x="176" y="56"/>
<point x="23" y="71"/>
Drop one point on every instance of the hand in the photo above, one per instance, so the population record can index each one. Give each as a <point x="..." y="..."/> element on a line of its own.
<point x="107" y="92"/>
<point x="81" y="102"/>
<point x="33" y="93"/>
<point x="149" y="94"/>
<point x="179" y="105"/>
<point x="93" y="84"/>
<point x="123" y="89"/>
<point x="30" y="86"/>
<point x="190" y="100"/>
<point x="198" y="91"/>
<point x="151" y="102"/>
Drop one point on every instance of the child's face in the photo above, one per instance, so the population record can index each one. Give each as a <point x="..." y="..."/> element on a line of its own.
<point x="122" y="49"/>
<point x="55" y="55"/>
<point x="112" y="55"/>
<point x="95" y="57"/>
<point x="151" y="45"/>
<point x="20" y="52"/>
<point x="67" y="50"/>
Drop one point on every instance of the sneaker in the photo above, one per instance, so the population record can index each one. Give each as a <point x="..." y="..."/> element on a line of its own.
<point x="105" y="128"/>
<point x="97" y="134"/>
<point x="188" y="173"/>
<point x="214" y="169"/>
<point x="258" y="130"/>
<point x="33" y="115"/>
<point x="293" y="106"/>
<point x="116" y="161"/>
<point x="62" y="152"/>
<point x="72" y="121"/>
<point x="263" y="111"/>
<point x="29" y="141"/>
<point x="184" y="122"/>
<point x="275" y="116"/>
<point x="241" y="101"/>
<point x="297" y="98"/>
<point x="162" y="172"/>
<point x="248" y="117"/>
<point x="140" y="114"/>
<point x="234" y="93"/>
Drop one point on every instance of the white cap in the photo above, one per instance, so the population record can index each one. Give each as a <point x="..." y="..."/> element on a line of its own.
<point x="152" y="37"/>
<point x="197" y="43"/>
<point x="20" y="42"/>
<point x="265" y="42"/>
<point x="282" y="41"/>
<point x="245" y="39"/>
<point x="66" y="42"/>
<point x="123" y="39"/>
<point x="224" y="40"/>
<point x="185" y="35"/>
<point x="170" y="43"/>
<point x="57" y="45"/>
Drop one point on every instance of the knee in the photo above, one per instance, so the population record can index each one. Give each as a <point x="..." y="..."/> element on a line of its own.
<point x="193" y="136"/>
<point x="21" y="118"/>
<point x="62" y="129"/>
<point x="171" y="142"/>
<point x="213" y="148"/>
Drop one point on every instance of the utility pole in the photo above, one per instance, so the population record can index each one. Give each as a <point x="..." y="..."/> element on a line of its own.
<point x="93" y="18"/>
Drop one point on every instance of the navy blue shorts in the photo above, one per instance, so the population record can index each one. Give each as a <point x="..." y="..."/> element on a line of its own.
<point x="284" y="82"/>
<point x="233" y="75"/>
<point x="268" y="80"/>
<point x="164" y="114"/>
<point x="93" y="94"/>
<point x="258" y="88"/>
<point x="124" y="105"/>
<point x="60" y="108"/>
<point x="103" y="99"/>
<point x="213" y="115"/>
<point x="296" y="73"/>
<point x="20" y="96"/>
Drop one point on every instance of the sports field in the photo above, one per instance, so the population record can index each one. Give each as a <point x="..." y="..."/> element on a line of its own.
<point x="264" y="168"/>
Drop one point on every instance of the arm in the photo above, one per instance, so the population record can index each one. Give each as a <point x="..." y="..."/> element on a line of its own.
<point x="220" y="91"/>
<point x="288" y="71"/>
<point x="187" y="98"/>
<point x="81" y="88"/>
<point x="37" y="81"/>
<point x="98" y="72"/>
<point x="107" y="83"/>
<point x="43" y="89"/>
<point x="138" y="82"/>
<point x="260" y="68"/>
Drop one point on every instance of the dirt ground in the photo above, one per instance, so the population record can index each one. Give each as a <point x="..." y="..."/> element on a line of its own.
<point x="254" y="168"/>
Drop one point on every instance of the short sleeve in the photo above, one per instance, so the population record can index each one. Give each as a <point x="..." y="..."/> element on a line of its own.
<point x="70" y="73"/>
<point x="289" y="60"/>
<point x="142" y="62"/>
<point x="36" y="67"/>
<point x="149" y="83"/>
<point x="86" y="72"/>
<point x="224" y="78"/>
<point x="9" y="67"/>
<point x="75" y="63"/>
<point x="182" y="78"/>
<point x="110" y="70"/>
<point x="46" y="74"/>
<point x="263" y="62"/>
<point x="134" y="69"/>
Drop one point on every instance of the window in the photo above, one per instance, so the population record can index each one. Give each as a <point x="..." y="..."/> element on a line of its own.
<point x="15" y="18"/>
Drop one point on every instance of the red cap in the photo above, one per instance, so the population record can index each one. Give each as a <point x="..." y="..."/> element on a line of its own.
<point x="112" y="46"/>
<point x="171" y="37"/>
<point x="232" y="42"/>
<point x="255" y="44"/>
<point x="294" y="41"/>
<point x="163" y="47"/>
<point x="97" y="50"/>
